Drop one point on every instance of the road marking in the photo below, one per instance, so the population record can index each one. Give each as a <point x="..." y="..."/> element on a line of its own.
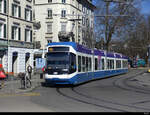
<point x="23" y="94"/>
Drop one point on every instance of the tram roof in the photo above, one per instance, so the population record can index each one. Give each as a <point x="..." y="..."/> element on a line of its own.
<point x="86" y="50"/>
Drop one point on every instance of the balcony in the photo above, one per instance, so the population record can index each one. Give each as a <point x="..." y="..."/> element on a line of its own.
<point x="65" y="36"/>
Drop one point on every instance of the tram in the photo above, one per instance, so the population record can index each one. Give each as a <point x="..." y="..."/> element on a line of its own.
<point x="72" y="63"/>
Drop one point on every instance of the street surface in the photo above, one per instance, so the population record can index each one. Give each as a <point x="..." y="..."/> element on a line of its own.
<point x="115" y="94"/>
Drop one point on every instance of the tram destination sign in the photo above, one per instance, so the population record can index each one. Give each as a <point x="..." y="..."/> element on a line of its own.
<point x="58" y="49"/>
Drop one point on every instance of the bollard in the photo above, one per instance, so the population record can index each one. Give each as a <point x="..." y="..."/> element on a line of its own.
<point x="2" y="84"/>
<point x="148" y="70"/>
<point x="25" y="82"/>
<point x="41" y="75"/>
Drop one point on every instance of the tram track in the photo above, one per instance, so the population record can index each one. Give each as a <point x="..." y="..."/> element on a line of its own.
<point x="128" y="87"/>
<point x="89" y="103"/>
<point x="102" y="102"/>
<point x="108" y="101"/>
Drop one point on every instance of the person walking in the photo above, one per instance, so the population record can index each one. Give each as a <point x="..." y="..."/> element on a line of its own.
<point x="2" y="76"/>
<point x="29" y="69"/>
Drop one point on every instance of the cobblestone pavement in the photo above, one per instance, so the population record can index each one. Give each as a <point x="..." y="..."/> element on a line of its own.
<point x="14" y="85"/>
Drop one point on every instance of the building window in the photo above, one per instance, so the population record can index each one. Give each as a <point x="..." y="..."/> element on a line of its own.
<point x="83" y="34"/>
<point x="28" y="35"/>
<point x="16" y="33"/>
<point x="83" y="9"/>
<point x="28" y="14"/>
<point x="63" y="27"/>
<point x="16" y="10"/>
<point x="83" y="21"/>
<point x="49" y="1"/>
<point x="49" y="27"/>
<point x="87" y="22"/>
<point x="49" y="41"/>
<point x="63" y="1"/>
<point x="29" y="0"/>
<point x="3" y="6"/>
<point x="2" y="30"/>
<point x="63" y="13"/>
<point x="49" y="12"/>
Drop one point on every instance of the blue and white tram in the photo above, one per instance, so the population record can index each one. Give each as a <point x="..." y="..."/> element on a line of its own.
<point x="71" y="63"/>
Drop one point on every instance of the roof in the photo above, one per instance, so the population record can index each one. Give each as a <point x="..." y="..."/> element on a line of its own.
<point x="83" y="49"/>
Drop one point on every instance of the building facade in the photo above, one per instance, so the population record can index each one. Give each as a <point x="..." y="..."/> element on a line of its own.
<point x="16" y="27"/>
<point x="63" y="20"/>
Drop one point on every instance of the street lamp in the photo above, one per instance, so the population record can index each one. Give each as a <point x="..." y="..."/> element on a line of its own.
<point x="149" y="56"/>
<point x="74" y="20"/>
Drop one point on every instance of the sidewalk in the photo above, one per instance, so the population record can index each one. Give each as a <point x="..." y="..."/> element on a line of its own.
<point x="14" y="86"/>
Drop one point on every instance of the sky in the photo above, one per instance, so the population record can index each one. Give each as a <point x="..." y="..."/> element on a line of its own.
<point x="145" y="6"/>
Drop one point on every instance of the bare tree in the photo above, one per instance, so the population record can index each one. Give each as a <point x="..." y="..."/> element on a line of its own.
<point x="89" y="37"/>
<point x="114" y="18"/>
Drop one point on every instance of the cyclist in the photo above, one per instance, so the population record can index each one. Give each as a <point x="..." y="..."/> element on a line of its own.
<point x="25" y="81"/>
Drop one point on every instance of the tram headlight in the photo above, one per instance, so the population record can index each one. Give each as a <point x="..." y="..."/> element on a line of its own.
<point x="49" y="67"/>
<point x="64" y="69"/>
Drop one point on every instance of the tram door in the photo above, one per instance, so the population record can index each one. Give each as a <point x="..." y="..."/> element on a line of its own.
<point x="90" y="73"/>
<point x="88" y="67"/>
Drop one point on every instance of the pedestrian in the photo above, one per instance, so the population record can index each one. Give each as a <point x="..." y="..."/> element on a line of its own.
<point x="22" y="79"/>
<point x="29" y="69"/>
<point x="2" y="75"/>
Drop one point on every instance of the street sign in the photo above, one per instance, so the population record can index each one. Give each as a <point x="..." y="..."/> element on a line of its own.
<point x="40" y="63"/>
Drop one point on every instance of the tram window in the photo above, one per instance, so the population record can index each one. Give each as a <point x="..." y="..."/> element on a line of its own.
<point x="125" y="64"/>
<point x="90" y="64"/>
<point x="83" y="64"/>
<point x="73" y="63"/>
<point x="112" y="64"/>
<point x="103" y="64"/>
<point x="86" y="63"/>
<point x="118" y="63"/>
<point x="108" y="64"/>
<point x="79" y="63"/>
<point x="96" y="64"/>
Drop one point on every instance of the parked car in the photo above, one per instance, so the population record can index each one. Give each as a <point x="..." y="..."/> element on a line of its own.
<point x="141" y="63"/>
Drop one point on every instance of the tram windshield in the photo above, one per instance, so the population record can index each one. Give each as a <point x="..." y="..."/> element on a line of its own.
<point x="58" y="58"/>
<point x="61" y="63"/>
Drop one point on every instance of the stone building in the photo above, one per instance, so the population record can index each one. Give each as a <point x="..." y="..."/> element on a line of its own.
<point x="63" y="20"/>
<point x="16" y="41"/>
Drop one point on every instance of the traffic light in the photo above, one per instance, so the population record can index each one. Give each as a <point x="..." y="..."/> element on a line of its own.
<point x="149" y="52"/>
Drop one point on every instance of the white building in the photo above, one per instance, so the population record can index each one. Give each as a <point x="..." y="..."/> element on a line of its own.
<point x="16" y="34"/>
<point x="63" y="18"/>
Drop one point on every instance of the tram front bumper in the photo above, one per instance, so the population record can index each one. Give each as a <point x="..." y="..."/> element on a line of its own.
<point x="58" y="81"/>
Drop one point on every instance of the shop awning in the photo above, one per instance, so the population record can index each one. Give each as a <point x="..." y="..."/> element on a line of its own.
<point x="3" y="48"/>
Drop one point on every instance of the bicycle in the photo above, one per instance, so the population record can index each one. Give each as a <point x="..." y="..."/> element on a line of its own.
<point x="25" y="81"/>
